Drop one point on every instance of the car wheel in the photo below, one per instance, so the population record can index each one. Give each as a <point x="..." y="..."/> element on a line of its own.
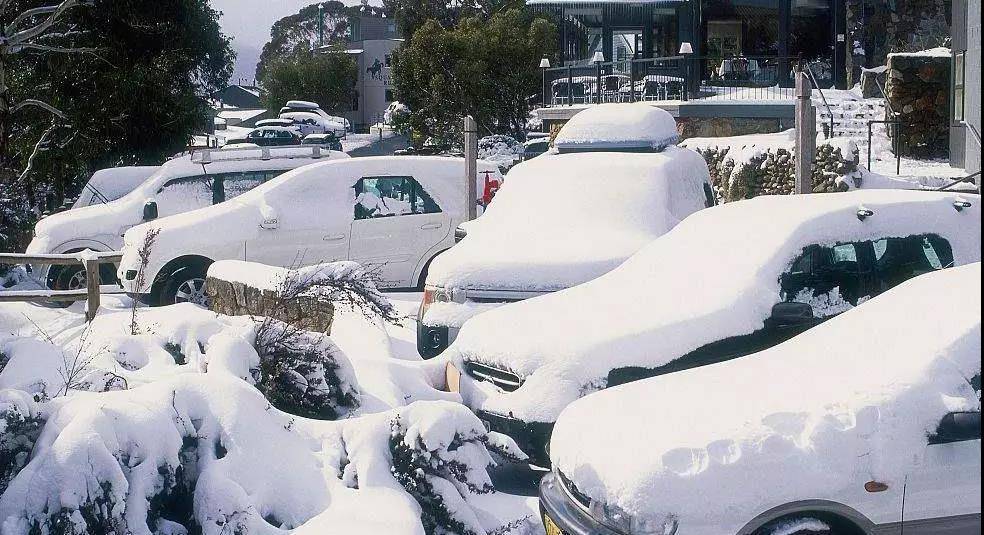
<point x="186" y="285"/>
<point x="74" y="278"/>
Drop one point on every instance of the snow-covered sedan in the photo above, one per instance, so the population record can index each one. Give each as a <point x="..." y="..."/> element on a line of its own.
<point x="391" y="214"/>
<point x="868" y="424"/>
<point x="617" y="183"/>
<point x="726" y="282"/>
<point x="180" y="185"/>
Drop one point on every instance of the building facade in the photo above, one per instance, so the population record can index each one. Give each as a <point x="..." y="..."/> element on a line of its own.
<point x="965" y="82"/>
<point x="372" y="42"/>
<point x="770" y="34"/>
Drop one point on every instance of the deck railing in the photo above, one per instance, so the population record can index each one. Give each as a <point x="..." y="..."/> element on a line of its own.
<point x="672" y="78"/>
<point x="88" y="259"/>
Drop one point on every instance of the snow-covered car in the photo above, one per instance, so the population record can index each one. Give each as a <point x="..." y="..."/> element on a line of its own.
<point x="328" y="141"/>
<point x="867" y="424"/>
<point x="182" y="184"/>
<point x="107" y="185"/>
<point x="391" y="214"/>
<point x="301" y="106"/>
<point x="535" y="147"/>
<point x="274" y="136"/>
<point x="726" y="282"/>
<point x="313" y="123"/>
<point x="563" y="219"/>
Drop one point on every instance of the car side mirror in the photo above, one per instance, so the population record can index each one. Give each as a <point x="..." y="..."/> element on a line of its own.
<point x="150" y="211"/>
<point x="957" y="427"/>
<point x="792" y="313"/>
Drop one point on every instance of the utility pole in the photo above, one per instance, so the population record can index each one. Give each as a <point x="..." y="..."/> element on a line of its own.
<point x="471" y="165"/>
<point x="806" y="134"/>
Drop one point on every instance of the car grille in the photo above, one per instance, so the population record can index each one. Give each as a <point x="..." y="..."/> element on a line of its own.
<point x="572" y="491"/>
<point x="503" y="379"/>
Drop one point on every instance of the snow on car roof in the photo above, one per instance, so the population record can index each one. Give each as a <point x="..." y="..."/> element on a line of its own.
<point x="893" y="367"/>
<point x="562" y="219"/>
<point x="716" y="275"/>
<point x="618" y="126"/>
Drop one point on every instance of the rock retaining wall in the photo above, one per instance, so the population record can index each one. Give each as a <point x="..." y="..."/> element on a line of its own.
<point x="918" y="89"/>
<point x="772" y="171"/>
<point x="239" y="299"/>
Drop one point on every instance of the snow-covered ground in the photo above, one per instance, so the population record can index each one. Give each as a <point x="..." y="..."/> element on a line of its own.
<point x="160" y="419"/>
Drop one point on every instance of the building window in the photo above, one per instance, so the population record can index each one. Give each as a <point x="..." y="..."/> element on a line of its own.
<point x="958" y="85"/>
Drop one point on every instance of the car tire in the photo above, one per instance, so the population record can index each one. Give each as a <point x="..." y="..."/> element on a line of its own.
<point x="186" y="285"/>
<point x="74" y="278"/>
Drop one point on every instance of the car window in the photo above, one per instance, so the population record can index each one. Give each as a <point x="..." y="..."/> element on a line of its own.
<point x="391" y="196"/>
<point x="899" y="259"/>
<point x="185" y="194"/>
<point x="826" y="277"/>
<point x="235" y="184"/>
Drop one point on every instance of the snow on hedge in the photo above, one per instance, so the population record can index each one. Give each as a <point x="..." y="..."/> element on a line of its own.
<point x="702" y="282"/>
<point x="890" y="380"/>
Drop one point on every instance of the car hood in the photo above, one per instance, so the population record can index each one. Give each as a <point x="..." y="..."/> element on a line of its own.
<point x="89" y="221"/>
<point x="859" y="393"/>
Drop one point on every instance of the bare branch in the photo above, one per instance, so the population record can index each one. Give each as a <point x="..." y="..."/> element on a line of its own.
<point x="34" y="153"/>
<point x="65" y="50"/>
<point x="29" y="14"/>
<point x="38" y="104"/>
<point x="34" y="31"/>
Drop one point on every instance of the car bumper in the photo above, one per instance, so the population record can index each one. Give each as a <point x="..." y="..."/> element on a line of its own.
<point x="531" y="437"/>
<point x="561" y="516"/>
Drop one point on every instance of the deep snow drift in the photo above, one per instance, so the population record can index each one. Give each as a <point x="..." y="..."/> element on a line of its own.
<point x="160" y="421"/>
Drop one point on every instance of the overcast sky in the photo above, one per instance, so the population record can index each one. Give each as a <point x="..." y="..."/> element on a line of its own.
<point x="248" y="22"/>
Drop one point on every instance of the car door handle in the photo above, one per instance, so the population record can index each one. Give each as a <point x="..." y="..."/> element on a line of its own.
<point x="431" y="226"/>
<point x="337" y="237"/>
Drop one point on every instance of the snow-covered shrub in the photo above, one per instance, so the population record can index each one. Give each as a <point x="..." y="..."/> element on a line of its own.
<point x="502" y="150"/>
<point x="20" y="426"/>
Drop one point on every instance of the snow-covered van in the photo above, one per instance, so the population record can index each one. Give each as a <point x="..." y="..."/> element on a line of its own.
<point x="616" y="183"/>
<point x="182" y="184"/>
<point x="391" y="214"/>
<point x="868" y="424"/>
<point x="726" y="282"/>
<point x="107" y="185"/>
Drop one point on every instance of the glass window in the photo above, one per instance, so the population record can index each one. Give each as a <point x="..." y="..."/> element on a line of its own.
<point x="958" y="86"/>
<point x="235" y="184"/>
<point x="900" y="259"/>
<point x="391" y="196"/>
<point x="827" y="277"/>
<point x="184" y="194"/>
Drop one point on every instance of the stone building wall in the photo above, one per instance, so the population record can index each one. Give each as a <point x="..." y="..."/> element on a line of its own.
<point x="918" y="89"/>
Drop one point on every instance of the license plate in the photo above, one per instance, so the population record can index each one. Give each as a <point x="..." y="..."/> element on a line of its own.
<point x="550" y="527"/>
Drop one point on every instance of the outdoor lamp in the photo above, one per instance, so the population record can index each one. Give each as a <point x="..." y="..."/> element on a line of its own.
<point x="598" y="57"/>
<point x="686" y="48"/>
<point x="544" y="63"/>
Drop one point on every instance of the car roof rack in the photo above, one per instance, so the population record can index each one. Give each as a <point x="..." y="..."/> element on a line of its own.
<point x="209" y="155"/>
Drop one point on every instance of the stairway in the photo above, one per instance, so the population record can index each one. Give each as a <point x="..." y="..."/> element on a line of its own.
<point x="851" y="114"/>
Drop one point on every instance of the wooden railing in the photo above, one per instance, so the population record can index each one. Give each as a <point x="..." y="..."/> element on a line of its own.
<point x="90" y="260"/>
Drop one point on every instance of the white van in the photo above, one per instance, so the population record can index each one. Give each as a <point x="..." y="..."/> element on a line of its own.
<point x="392" y="214"/>
<point x="182" y="184"/>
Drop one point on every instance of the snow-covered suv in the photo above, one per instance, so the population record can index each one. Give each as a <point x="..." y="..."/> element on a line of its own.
<point x="616" y="184"/>
<point x="869" y="423"/>
<point x="391" y="214"/>
<point x="726" y="282"/>
<point x="182" y="184"/>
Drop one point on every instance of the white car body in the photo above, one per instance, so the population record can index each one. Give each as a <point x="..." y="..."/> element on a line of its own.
<point x="844" y="424"/>
<point x="107" y="185"/>
<point x="359" y="209"/>
<point x="177" y="186"/>
<point x="706" y="291"/>
<point x="294" y="106"/>
<point x="313" y="123"/>
<point x="564" y="219"/>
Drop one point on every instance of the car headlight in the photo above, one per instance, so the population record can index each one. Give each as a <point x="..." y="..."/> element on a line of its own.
<point x="436" y="294"/>
<point x="614" y="517"/>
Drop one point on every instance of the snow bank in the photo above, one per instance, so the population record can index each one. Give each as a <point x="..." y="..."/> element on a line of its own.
<point x="562" y="219"/>
<point x="794" y="436"/>
<point x="938" y="52"/>
<point x="702" y="282"/>
<point x="618" y="126"/>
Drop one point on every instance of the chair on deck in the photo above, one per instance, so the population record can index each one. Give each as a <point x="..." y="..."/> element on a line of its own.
<point x="651" y="90"/>
<point x="561" y="92"/>
<point x="578" y="95"/>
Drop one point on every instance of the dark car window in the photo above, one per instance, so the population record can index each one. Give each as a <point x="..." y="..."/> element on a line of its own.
<point x="900" y="259"/>
<point x="185" y="194"/>
<point x="391" y="196"/>
<point x="834" y="271"/>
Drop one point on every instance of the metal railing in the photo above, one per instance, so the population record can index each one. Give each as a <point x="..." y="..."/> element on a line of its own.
<point x="896" y="142"/>
<point x="674" y="78"/>
<point x="828" y="130"/>
<point x="88" y="259"/>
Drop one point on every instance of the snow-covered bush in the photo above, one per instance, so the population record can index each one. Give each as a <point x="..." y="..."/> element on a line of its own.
<point x="501" y="150"/>
<point x="20" y="425"/>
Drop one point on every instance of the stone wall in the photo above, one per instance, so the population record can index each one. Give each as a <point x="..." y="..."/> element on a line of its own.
<point x="879" y="27"/>
<point x="918" y="89"/>
<point x="772" y="171"/>
<point x="239" y="299"/>
<point x="689" y="127"/>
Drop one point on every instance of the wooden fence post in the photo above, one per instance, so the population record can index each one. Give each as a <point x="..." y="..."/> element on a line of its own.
<point x="471" y="165"/>
<point x="92" y="281"/>
<point x="806" y="134"/>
